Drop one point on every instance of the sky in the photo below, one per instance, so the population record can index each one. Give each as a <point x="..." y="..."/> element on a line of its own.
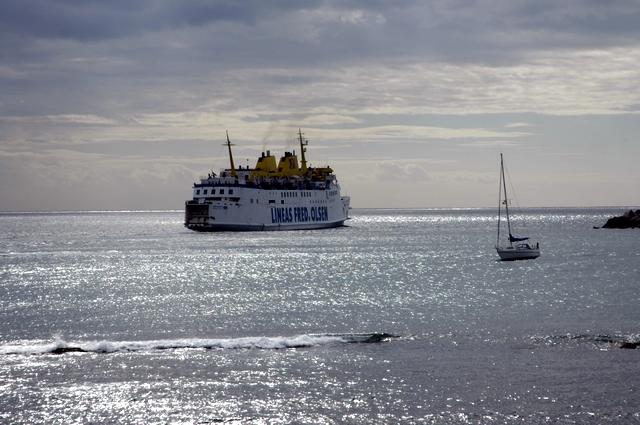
<point x="124" y="104"/>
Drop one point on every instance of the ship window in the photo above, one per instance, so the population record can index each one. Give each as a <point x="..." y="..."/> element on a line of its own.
<point x="213" y="191"/>
<point x="282" y="202"/>
<point x="205" y="191"/>
<point x="230" y="191"/>
<point x="272" y="201"/>
<point x="198" y="192"/>
<point x="252" y="200"/>
<point x="221" y="191"/>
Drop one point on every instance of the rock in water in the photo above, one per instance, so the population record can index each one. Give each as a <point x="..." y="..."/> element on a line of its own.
<point x="628" y="220"/>
<point x="62" y="350"/>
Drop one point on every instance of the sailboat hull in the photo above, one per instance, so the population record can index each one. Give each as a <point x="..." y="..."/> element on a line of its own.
<point x="516" y="253"/>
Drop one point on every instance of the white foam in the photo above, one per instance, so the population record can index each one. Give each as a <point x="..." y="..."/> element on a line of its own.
<point x="128" y="346"/>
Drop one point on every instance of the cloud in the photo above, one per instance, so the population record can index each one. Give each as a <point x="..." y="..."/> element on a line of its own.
<point x="396" y="172"/>
<point x="322" y="57"/>
<point x="406" y="82"/>
<point x="96" y="20"/>
<point x="491" y="144"/>
<point x="480" y="32"/>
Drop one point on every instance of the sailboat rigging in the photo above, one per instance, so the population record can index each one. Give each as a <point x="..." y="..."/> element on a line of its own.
<point x="521" y="250"/>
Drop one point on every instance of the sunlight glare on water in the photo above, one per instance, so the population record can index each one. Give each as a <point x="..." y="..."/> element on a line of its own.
<point x="403" y="316"/>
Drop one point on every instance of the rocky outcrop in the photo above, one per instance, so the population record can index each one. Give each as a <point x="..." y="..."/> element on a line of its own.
<point x="628" y="220"/>
<point x="63" y="350"/>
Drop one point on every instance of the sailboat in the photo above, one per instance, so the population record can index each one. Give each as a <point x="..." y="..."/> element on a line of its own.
<point x="518" y="248"/>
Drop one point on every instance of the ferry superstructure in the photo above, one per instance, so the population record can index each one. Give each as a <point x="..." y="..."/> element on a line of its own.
<point x="286" y="195"/>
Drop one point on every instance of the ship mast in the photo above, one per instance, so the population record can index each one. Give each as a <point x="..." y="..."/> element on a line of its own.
<point x="303" y="161"/>
<point x="233" y="168"/>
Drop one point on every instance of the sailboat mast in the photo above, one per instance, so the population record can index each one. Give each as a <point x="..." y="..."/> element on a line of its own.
<point x="506" y="200"/>
<point x="499" y="201"/>
<point x="233" y="168"/>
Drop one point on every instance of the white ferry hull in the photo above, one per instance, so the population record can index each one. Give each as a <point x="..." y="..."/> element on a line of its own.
<point x="230" y="227"/>
<point x="273" y="210"/>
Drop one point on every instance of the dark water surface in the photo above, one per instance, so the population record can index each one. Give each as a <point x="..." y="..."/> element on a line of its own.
<point x="404" y="316"/>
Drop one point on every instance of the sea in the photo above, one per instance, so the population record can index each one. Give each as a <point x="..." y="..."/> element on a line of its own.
<point x="400" y="317"/>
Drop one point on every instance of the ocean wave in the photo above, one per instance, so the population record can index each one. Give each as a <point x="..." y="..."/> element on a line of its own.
<point x="599" y="341"/>
<point x="60" y="346"/>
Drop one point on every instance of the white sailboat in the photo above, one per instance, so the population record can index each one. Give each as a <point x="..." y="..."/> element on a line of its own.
<point x="518" y="248"/>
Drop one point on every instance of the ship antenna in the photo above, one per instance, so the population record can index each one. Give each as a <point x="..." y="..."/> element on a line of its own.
<point x="233" y="168"/>
<point x="303" y="143"/>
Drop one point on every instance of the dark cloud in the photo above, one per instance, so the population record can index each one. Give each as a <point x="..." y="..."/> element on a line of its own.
<point x="186" y="36"/>
<point x="92" y="20"/>
<point x="87" y="20"/>
<point x="118" y="57"/>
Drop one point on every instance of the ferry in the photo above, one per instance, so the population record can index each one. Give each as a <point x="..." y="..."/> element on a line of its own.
<point x="274" y="195"/>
